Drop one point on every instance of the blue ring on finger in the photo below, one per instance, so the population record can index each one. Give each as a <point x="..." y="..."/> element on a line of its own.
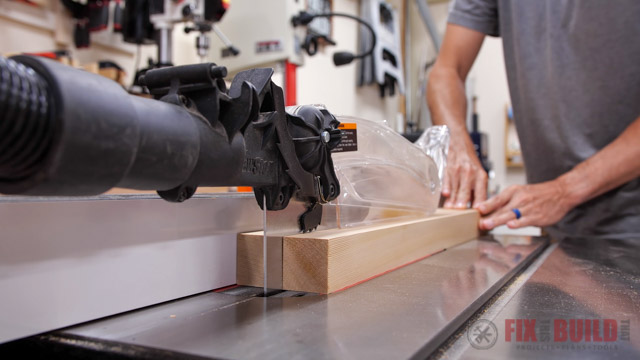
<point x="517" y="212"/>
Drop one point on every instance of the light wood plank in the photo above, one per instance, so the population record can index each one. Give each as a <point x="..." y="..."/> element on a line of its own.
<point x="330" y="260"/>
<point x="250" y="262"/>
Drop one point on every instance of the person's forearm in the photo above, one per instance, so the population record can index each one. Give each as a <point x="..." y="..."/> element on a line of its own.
<point x="546" y="203"/>
<point x="447" y="99"/>
<point x="446" y="95"/>
<point x="464" y="179"/>
<point x="448" y="104"/>
<point x="614" y="165"/>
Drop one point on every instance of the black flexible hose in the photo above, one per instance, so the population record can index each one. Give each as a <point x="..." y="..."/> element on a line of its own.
<point x="342" y="57"/>
<point x="26" y="127"/>
<point x="359" y="20"/>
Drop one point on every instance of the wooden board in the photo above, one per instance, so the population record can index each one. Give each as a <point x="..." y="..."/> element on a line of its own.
<point x="250" y="262"/>
<point x="330" y="260"/>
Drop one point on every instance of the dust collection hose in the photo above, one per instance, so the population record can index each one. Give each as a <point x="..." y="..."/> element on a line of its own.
<point x="26" y="125"/>
<point x="71" y="133"/>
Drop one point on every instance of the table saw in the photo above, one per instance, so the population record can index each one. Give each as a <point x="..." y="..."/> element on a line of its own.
<point x="140" y="279"/>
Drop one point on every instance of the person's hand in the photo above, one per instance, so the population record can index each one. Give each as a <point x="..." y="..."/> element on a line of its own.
<point x="464" y="180"/>
<point x="539" y="205"/>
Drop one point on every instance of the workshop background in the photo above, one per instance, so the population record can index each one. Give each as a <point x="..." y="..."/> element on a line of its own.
<point x="48" y="26"/>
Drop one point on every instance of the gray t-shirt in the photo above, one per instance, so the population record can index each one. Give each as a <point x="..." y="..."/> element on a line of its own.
<point x="573" y="68"/>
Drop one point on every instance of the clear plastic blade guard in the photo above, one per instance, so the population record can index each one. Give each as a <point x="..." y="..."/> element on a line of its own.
<point x="388" y="177"/>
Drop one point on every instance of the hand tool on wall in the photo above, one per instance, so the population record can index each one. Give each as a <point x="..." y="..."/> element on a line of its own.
<point x="117" y="17"/>
<point x="80" y="12"/>
<point x="58" y="137"/>
<point x="98" y="15"/>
